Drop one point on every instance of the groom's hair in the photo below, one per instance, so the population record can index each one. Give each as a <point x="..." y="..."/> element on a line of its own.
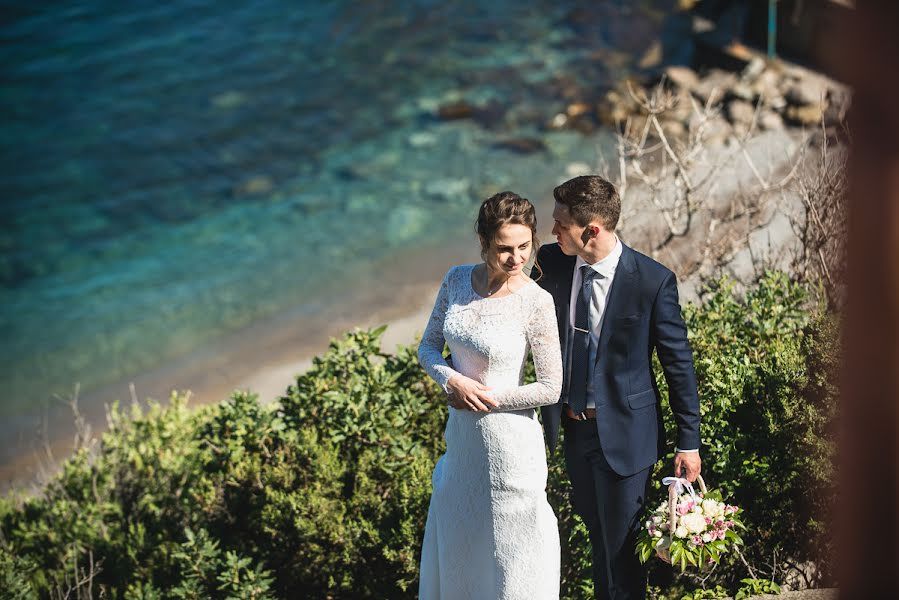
<point x="588" y="198"/>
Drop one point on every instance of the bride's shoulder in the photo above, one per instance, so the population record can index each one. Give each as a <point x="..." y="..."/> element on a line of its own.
<point x="538" y="295"/>
<point x="457" y="273"/>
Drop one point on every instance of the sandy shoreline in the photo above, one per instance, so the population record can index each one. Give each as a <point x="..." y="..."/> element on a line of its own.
<point x="264" y="358"/>
<point x="269" y="382"/>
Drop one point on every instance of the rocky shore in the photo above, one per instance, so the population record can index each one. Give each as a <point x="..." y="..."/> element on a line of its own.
<point x="718" y="168"/>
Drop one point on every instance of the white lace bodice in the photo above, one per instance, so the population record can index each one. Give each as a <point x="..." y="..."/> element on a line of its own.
<point x="489" y="339"/>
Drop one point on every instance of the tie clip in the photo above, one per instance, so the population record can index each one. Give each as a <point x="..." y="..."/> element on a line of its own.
<point x="579" y="329"/>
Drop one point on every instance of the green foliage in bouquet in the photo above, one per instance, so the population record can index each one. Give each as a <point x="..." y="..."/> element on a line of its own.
<point x="323" y="493"/>
<point x="705" y="528"/>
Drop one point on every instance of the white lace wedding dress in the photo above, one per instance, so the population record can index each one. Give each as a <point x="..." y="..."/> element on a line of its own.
<point x="490" y="532"/>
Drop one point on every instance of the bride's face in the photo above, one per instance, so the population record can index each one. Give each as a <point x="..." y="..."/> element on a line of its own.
<point x="511" y="249"/>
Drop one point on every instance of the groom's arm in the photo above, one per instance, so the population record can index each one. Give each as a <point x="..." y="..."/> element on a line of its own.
<point x="676" y="358"/>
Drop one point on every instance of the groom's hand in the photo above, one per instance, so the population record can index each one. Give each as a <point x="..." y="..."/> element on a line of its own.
<point x="467" y="394"/>
<point x="453" y="400"/>
<point x="689" y="462"/>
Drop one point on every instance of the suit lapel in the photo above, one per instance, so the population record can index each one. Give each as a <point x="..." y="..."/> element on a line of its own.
<point x="620" y="295"/>
<point x="563" y="297"/>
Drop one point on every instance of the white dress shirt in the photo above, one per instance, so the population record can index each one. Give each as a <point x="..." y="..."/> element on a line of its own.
<point x="597" y="310"/>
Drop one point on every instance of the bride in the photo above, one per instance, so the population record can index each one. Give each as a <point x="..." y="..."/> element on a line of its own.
<point x="490" y="532"/>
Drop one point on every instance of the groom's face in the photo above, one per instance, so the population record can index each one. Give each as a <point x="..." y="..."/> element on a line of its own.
<point x="568" y="233"/>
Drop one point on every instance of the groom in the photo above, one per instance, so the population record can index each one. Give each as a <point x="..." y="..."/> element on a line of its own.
<point x="614" y="306"/>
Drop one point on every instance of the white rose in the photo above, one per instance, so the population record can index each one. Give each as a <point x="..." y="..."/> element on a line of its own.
<point x="706" y="538"/>
<point x="657" y="519"/>
<point x="710" y="508"/>
<point x="681" y="531"/>
<point x="657" y="533"/>
<point x="694" y="522"/>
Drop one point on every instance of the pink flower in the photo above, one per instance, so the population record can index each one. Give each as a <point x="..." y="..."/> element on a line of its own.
<point x="708" y="520"/>
<point x="683" y="509"/>
<point x="721" y="533"/>
<point x="697" y="539"/>
<point x="729" y="524"/>
<point x="719" y="524"/>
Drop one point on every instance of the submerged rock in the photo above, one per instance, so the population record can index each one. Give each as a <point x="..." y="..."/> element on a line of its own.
<point x="449" y="190"/>
<point x="228" y="100"/>
<point x="585" y="125"/>
<point x="422" y="139"/>
<point x="456" y="110"/>
<point x="577" y="109"/>
<point x="490" y="115"/>
<point x="558" y="122"/>
<point x="261" y="184"/>
<point x="522" y="145"/>
<point x="350" y="173"/>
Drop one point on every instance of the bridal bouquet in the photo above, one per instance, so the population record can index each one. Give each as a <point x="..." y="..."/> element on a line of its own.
<point x="689" y="528"/>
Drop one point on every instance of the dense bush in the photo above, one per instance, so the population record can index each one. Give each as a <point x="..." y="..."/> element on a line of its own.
<point x="324" y="493"/>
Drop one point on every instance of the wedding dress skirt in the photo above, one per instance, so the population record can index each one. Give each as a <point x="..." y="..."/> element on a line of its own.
<point x="490" y="531"/>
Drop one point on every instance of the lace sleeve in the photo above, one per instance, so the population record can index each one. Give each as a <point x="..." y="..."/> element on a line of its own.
<point x="430" y="350"/>
<point x="543" y="338"/>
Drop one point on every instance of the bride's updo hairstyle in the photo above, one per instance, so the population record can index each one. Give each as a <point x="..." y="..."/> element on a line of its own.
<point x="506" y="208"/>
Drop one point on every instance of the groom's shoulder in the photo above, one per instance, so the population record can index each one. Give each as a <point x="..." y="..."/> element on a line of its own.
<point x="648" y="265"/>
<point x="553" y="262"/>
<point x="550" y="251"/>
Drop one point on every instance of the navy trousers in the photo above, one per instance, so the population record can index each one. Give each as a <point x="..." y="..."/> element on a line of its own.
<point x="611" y="507"/>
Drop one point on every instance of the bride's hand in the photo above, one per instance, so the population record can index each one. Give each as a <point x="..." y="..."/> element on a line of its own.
<point x="466" y="393"/>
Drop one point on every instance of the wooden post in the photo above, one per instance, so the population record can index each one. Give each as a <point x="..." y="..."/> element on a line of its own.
<point x="869" y="451"/>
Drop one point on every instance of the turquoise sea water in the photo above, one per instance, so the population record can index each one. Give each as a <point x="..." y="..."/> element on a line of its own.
<point x="174" y="172"/>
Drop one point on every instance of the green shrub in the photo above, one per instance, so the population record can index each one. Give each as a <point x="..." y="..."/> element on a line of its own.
<point x="324" y="492"/>
<point x="756" y="587"/>
<point x="764" y="364"/>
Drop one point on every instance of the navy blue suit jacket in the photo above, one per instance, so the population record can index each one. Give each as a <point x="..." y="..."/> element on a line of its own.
<point x="642" y="314"/>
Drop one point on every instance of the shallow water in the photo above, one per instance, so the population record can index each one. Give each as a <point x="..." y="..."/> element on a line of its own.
<point x="174" y="173"/>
